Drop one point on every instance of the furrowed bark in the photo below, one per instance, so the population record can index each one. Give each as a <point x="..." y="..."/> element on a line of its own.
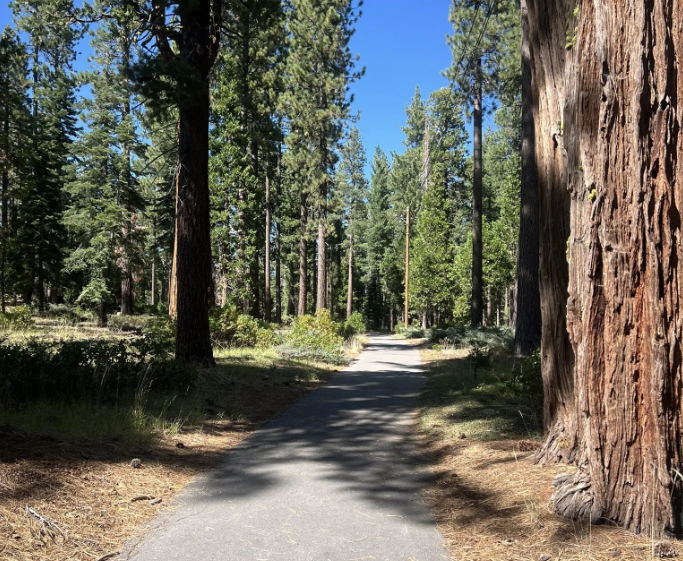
<point x="528" y="323"/>
<point x="303" y="256"/>
<point x="622" y="124"/>
<point x="547" y="21"/>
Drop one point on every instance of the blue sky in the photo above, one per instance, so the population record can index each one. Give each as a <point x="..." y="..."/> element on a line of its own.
<point x="402" y="43"/>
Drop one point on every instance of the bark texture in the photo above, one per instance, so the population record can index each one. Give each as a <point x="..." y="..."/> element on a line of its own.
<point x="547" y="27"/>
<point x="193" y="243"/>
<point x="622" y="127"/>
<point x="528" y="323"/>
<point x="477" y="247"/>
<point x="349" y="292"/>
<point x="303" y="256"/>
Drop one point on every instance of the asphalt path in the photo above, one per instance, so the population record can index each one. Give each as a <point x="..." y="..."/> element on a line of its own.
<point x="337" y="477"/>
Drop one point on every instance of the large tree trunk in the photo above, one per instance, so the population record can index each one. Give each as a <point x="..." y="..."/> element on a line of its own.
<point x="349" y="293"/>
<point x="477" y="244"/>
<point x="4" y="217"/>
<point x="193" y="227"/>
<point x="622" y="129"/>
<point x="303" y="256"/>
<point x="547" y="21"/>
<point x="528" y="324"/>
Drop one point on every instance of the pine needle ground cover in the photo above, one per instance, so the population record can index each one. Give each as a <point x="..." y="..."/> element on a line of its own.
<point x="490" y="500"/>
<point x="68" y="486"/>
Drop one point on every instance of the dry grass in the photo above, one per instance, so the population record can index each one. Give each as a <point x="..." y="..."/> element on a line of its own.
<point x="490" y="500"/>
<point x="86" y="488"/>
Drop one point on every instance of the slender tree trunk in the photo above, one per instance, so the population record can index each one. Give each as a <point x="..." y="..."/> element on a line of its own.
<point x="424" y="319"/>
<point x="392" y="321"/>
<point x="303" y="256"/>
<point x="102" y="315"/>
<point x="547" y="33"/>
<point x="266" y="269"/>
<point x="489" y="306"/>
<point x="4" y="200"/>
<point x="172" y="284"/>
<point x="278" y="253"/>
<point x="291" y="300"/>
<point x="477" y="247"/>
<point x="528" y="325"/>
<point x="320" y="301"/>
<point x="154" y="279"/>
<point x="407" y="281"/>
<point x="127" y="292"/>
<point x="254" y="273"/>
<point x="349" y="293"/>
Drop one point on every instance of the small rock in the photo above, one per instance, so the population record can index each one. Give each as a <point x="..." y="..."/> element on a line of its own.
<point x="463" y="436"/>
<point x="136" y="463"/>
<point x="616" y="552"/>
<point x="544" y="558"/>
<point x="179" y="445"/>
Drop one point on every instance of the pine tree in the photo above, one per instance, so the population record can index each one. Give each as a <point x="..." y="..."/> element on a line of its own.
<point x="316" y="104"/>
<point x="104" y="197"/>
<point x="15" y="154"/>
<point x="484" y="31"/>
<point x="353" y="187"/>
<point x="40" y="230"/>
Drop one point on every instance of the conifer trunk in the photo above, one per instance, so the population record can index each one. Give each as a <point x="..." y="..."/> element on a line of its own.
<point x="407" y="279"/>
<point x="193" y="226"/>
<point x="303" y="256"/>
<point x="266" y="268"/>
<point x="528" y="323"/>
<point x="320" y="301"/>
<point x="622" y="138"/>
<point x="4" y="231"/>
<point x="349" y="293"/>
<point x="547" y="28"/>
<point x="278" y="254"/>
<point x="477" y="248"/>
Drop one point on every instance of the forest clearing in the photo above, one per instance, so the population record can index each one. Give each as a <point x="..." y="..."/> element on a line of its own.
<point x="459" y="225"/>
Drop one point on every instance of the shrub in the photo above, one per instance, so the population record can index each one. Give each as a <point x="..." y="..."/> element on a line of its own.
<point x="353" y="326"/>
<point x="223" y="322"/>
<point x="100" y="370"/>
<point x="316" y="336"/>
<point x="399" y="328"/>
<point x="18" y="318"/>
<point x="67" y="315"/>
<point x="525" y="379"/>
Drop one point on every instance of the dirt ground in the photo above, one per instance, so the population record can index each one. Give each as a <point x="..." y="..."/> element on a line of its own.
<point x="492" y="502"/>
<point x="81" y="500"/>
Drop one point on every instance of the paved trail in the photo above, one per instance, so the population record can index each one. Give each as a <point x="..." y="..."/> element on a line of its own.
<point x="335" y="478"/>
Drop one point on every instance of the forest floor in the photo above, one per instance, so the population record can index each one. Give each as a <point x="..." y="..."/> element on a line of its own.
<point x="489" y="498"/>
<point x="68" y="490"/>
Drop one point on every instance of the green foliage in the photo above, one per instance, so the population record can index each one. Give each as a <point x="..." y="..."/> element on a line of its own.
<point x="17" y="319"/>
<point x="525" y="378"/>
<point x="240" y="330"/>
<point x="355" y="325"/>
<point x="316" y="337"/>
<point x="97" y="370"/>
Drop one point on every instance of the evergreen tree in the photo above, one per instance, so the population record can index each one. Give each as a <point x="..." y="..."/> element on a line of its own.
<point x="485" y="32"/>
<point x="15" y="141"/>
<point x="105" y="198"/>
<point x="316" y="104"/>
<point x="353" y="187"/>
<point x="40" y="230"/>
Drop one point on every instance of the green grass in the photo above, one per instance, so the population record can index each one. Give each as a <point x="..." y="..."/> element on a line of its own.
<point x="493" y="404"/>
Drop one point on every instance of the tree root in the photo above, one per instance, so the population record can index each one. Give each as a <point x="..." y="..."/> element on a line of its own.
<point x="574" y="498"/>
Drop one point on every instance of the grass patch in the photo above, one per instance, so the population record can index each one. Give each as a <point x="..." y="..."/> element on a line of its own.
<point x="481" y="431"/>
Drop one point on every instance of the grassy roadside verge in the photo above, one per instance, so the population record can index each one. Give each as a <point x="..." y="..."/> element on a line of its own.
<point x="489" y="498"/>
<point x="71" y="462"/>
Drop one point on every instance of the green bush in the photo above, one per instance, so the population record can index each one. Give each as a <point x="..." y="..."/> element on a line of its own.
<point x="17" y="319"/>
<point x="240" y="330"/>
<point x="99" y="370"/>
<point x="525" y="379"/>
<point x="399" y="328"/>
<point x="315" y="336"/>
<point x="353" y="326"/>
